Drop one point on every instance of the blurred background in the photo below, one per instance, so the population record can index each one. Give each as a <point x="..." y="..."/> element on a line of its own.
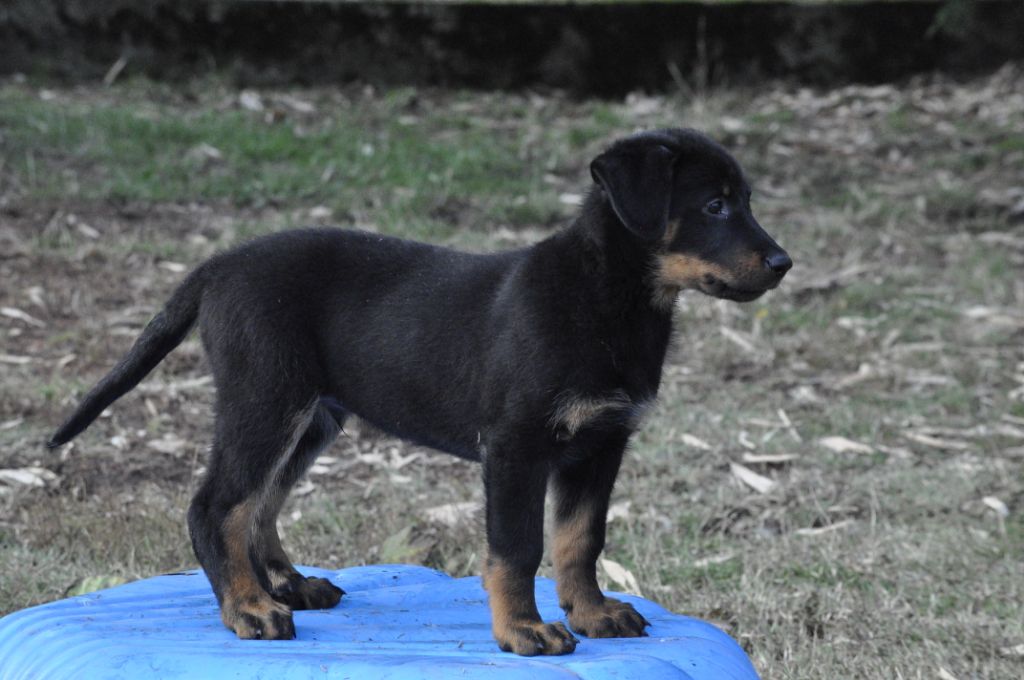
<point x="834" y="474"/>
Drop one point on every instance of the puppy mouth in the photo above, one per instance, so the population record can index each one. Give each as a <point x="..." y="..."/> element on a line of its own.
<point x="716" y="287"/>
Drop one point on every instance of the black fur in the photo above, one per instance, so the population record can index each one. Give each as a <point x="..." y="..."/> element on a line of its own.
<point x="470" y="354"/>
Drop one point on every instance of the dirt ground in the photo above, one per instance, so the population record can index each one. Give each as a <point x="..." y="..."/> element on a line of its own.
<point x="833" y="474"/>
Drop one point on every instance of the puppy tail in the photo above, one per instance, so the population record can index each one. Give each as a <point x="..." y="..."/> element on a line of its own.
<point x="163" y="333"/>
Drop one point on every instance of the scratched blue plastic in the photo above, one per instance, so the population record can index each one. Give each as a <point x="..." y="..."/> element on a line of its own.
<point x="399" y="622"/>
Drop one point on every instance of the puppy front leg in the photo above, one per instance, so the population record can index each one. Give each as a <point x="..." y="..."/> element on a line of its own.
<point x="582" y="491"/>
<point x="515" y="543"/>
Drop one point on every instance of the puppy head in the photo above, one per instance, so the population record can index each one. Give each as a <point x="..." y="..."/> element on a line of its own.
<point x="687" y="197"/>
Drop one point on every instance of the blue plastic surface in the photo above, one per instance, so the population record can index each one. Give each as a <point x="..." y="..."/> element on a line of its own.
<point x="399" y="622"/>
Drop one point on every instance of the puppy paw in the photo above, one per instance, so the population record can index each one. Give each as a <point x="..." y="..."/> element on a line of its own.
<point x="611" y="618"/>
<point x="301" y="592"/>
<point x="530" y="638"/>
<point x="258" y="618"/>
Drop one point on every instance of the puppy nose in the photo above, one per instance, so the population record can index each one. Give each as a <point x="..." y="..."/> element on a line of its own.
<point x="778" y="262"/>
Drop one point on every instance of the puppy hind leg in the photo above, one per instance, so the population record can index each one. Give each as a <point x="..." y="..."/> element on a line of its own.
<point x="221" y="526"/>
<point x="247" y="608"/>
<point x="250" y="451"/>
<point x="280" y="578"/>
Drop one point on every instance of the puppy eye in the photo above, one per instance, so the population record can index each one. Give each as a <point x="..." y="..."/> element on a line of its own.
<point x="717" y="208"/>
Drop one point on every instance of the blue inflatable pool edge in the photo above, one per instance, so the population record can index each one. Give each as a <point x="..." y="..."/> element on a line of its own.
<point x="395" y="621"/>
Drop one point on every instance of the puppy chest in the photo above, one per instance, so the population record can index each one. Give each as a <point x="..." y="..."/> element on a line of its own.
<point x="575" y="413"/>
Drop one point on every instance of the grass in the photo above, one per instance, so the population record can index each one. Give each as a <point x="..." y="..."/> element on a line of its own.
<point x="366" y="156"/>
<point x="899" y="328"/>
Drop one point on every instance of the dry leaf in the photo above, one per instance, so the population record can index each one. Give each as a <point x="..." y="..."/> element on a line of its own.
<point x="28" y="476"/>
<point x="1015" y="652"/>
<point x="91" y="584"/>
<point x="15" y="313"/>
<point x="768" y="458"/>
<point x="371" y="458"/>
<point x="713" y="559"/>
<point x="641" y="105"/>
<point x="303" y="488"/>
<point x="319" y="468"/>
<point x="805" y="394"/>
<point x="896" y="451"/>
<point x="169" y="443"/>
<point x="115" y="70"/>
<point x="695" y="442"/>
<point x="1008" y="431"/>
<point x="829" y="528"/>
<point x="204" y="153"/>
<point x="87" y="231"/>
<point x="829" y="280"/>
<point x="396" y="461"/>
<point x="296" y="104"/>
<point x="730" y="124"/>
<point x="844" y="445"/>
<point x="452" y="514"/>
<point x="996" y="505"/>
<point x="162" y="388"/>
<point x="620" y="575"/>
<point x="14" y="359"/>
<point x="739" y="339"/>
<point x="619" y="510"/>
<point x="864" y="372"/>
<point x="250" y="100"/>
<point x="994" y="316"/>
<point x="758" y="483"/>
<point x="784" y="417"/>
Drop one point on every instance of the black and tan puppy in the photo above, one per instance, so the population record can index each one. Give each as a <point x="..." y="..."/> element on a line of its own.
<point x="537" y="362"/>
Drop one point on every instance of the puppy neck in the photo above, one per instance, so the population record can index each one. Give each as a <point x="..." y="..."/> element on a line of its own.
<point x="621" y="257"/>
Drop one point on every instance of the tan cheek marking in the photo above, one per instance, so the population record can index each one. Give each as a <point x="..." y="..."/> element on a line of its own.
<point x="685" y="271"/>
<point x="675" y="271"/>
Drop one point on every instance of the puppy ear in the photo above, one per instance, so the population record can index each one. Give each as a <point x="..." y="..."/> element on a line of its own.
<point x="638" y="182"/>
